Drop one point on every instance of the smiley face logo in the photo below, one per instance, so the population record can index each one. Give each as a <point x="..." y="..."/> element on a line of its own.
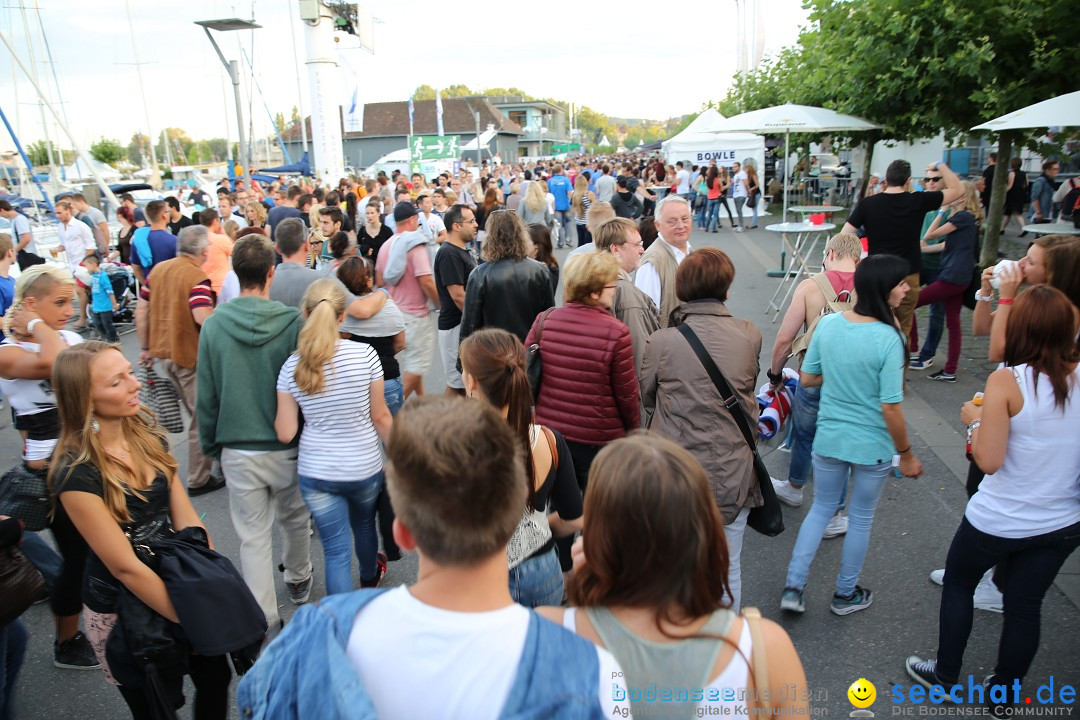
<point x="862" y="693"/>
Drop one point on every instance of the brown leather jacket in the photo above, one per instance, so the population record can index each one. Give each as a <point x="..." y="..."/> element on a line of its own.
<point x="686" y="406"/>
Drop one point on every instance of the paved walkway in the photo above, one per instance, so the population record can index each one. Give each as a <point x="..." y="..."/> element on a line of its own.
<point x="913" y="527"/>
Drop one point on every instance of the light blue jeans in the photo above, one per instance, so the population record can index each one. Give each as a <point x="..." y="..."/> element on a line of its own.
<point x="393" y="391"/>
<point x="344" y="509"/>
<point x="830" y="477"/>
<point x="804" y="412"/>
<point x="538" y="581"/>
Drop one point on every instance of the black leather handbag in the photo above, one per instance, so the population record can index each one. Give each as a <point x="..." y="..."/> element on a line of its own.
<point x="534" y="367"/>
<point x="20" y="584"/>
<point x="767" y="519"/>
<point x="25" y="495"/>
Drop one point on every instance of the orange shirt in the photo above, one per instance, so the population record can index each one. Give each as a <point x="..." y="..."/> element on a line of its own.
<point x="217" y="263"/>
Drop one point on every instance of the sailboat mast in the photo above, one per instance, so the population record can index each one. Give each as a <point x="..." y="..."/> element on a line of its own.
<point x="44" y="124"/>
<point x="155" y="174"/>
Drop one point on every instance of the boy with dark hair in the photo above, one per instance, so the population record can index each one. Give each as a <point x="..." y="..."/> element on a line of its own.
<point x="455" y="633"/>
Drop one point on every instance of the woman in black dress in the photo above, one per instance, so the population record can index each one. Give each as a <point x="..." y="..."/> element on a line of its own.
<point x="1016" y="195"/>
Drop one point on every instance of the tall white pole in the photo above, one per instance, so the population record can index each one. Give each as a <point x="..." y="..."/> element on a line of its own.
<point x="328" y="159"/>
<point x="49" y="148"/>
<point x="155" y="174"/>
<point x="299" y="89"/>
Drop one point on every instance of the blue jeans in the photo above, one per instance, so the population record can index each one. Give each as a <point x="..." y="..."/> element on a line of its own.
<point x="12" y="651"/>
<point x="538" y="581"/>
<point x="341" y="510"/>
<point x="1025" y="569"/>
<point x="43" y="557"/>
<point x="565" y="220"/>
<point x="712" y="214"/>
<point x="701" y="212"/>
<point x="394" y="394"/>
<point x="937" y="320"/>
<point x="830" y="476"/>
<point x="804" y="412"/>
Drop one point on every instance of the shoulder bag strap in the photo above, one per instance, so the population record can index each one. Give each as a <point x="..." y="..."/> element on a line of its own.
<point x="727" y="395"/>
<point x="550" y="437"/>
<point x="540" y="325"/>
<point x="758" y="657"/>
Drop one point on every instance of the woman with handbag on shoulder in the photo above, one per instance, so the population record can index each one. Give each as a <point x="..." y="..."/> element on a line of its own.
<point x="33" y="336"/>
<point x="858" y="359"/>
<point x="687" y="407"/>
<point x="20" y="580"/>
<point x="115" y="478"/>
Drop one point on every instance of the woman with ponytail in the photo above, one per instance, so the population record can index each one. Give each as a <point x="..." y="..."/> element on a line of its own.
<point x="858" y="359"/>
<point x="34" y="335"/>
<point x="493" y="369"/>
<point x="338" y="385"/>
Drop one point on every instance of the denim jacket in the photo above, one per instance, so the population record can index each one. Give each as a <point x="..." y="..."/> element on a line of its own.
<point x="305" y="672"/>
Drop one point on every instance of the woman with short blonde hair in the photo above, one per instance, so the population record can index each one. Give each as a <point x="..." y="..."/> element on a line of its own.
<point x="588" y="275"/>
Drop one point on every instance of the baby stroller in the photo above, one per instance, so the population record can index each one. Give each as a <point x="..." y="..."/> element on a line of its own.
<point x="123" y="283"/>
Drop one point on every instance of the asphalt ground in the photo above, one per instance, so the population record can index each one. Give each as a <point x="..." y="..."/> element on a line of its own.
<point x="913" y="528"/>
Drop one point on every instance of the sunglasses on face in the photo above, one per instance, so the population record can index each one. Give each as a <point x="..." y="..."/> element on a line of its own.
<point x="931" y="179"/>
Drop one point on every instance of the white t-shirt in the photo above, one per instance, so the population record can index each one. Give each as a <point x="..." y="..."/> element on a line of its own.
<point x="738" y="189"/>
<point x="1037" y="489"/>
<point x="432" y="225"/>
<point x="77" y="240"/>
<point x="684" y="182"/>
<point x="446" y="664"/>
<point x="339" y="441"/>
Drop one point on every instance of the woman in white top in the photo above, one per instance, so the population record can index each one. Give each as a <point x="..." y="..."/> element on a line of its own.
<point x="659" y="600"/>
<point x="1025" y="517"/>
<point x="34" y="335"/>
<point x="338" y="385"/>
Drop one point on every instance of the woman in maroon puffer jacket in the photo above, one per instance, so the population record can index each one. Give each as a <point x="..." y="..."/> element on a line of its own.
<point x="589" y="390"/>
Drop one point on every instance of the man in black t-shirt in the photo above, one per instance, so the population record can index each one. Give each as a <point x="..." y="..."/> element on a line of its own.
<point x="453" y="263"/>
<point x="177" y="220"/>
<point x="893" y="223"/>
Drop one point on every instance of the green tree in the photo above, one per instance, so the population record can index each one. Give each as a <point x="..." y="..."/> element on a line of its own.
<point x="279" y="121"/>
<point x="38" y="152"/>
<point x="138" y="150"/>
<point x="294" y="116"/>
<point x="219" y="149"/>
<point x="107" y="151"/>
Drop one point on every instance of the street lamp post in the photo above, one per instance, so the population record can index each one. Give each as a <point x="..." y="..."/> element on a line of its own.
<point x="227" y="25"/>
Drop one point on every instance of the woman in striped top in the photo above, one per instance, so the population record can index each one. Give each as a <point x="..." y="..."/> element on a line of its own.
<point x="339" y="387"/>
<point x="580" y="201"/>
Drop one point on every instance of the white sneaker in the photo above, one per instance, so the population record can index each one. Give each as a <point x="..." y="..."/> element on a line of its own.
<point x="836" y="527"/>
<point x="787" y="493"/>
<point x="938" y="577"/>
<point x="987" y="596"/>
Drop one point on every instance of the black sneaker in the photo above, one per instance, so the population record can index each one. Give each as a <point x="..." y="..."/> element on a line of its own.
<point x="925" y="673"/>
<point x="75" y="653"/>
<point x="380" y="564"/>
<point x="214" y="483"/>
<point x="997" y="710"/>
<point x="943" y="376"/>
<point x="299" y="592"/>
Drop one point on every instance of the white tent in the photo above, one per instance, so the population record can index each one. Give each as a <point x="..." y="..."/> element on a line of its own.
<point x="702" y="141"/>
<point x="79" y="170"/>
<point x="604" y="142"/>
<point x="1061" y="110"/>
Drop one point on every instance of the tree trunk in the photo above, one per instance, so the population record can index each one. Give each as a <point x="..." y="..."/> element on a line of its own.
<point x="871" y="139"/>
<point x="992" y="226"/>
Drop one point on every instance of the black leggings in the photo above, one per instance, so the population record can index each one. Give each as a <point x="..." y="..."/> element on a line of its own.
<point x="66" y="599"/>
<point x="211" y="677"/>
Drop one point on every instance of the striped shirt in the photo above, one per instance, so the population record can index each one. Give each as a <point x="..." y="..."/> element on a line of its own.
<point x="200" y="296"/>
<point x="338" y="441"/>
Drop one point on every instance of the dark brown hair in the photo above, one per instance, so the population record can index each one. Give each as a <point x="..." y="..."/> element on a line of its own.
<point x="1062" y="260"/>
<point x="252" y="258"/>
<point x="461" y="501"/>
<point x="1042" y="333"/>
<point x="496" y="359"/>
<point x="541" y="238"/>
<point x="704" y="274"/>
<point x="354" y="275"/>
<point x="655" y="536"/>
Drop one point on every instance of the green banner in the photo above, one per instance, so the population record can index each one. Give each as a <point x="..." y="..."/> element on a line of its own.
<point x="565" y="148"/>
<point x="433" y="147"/>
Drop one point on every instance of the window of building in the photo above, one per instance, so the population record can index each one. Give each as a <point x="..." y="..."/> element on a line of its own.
<point x="518" y="116"/>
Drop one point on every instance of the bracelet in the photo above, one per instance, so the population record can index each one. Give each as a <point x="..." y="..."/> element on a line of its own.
<point x="979" y="297"/>
<point x="385" y="291"/>
<point x="1005" y="301"/>
<point x="30" y="325"/>
<point x="974" y="425"/>
<point x="907" y="449"/>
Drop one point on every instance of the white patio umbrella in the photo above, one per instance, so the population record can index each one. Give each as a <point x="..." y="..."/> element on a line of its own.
<point x="1062" y="110"/>
<point x="788" y="117"/>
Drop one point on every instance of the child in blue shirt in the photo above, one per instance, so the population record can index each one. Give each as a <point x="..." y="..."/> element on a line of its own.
<point x="7" y="283"/>
<point x="102" y="299"/>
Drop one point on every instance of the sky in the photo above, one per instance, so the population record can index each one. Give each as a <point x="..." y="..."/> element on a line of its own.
<point x="622" y="59"/>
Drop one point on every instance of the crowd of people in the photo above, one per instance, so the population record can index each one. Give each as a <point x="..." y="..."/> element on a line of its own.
<point x="588" y="452"/>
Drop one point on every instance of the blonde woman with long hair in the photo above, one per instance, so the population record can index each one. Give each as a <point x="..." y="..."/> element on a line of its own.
<point x="338" y="385"/>
<point x="580" y="201"/>
<point x="958" y="249"/>
<point x="115" y="478"/>
<point x="534" y="206"/>
<point x="34" y="335"/>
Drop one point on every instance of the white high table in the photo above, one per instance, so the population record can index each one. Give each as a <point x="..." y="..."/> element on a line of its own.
<point x="807" y="210"/>
<point x="1052" y="229"/>
<point x="807" y="237"/>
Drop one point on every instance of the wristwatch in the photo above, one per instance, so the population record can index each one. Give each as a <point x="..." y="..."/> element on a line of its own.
<point x="30" y="325"/>
<point x="775" y="378"/>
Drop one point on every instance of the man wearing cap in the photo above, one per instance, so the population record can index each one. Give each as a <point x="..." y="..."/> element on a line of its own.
<point x="413" y="289"/>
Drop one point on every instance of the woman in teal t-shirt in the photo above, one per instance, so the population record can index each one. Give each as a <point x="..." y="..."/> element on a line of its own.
<point x="858" y="358"/>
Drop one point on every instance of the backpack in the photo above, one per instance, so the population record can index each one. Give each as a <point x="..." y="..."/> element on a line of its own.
<point x="834" y="305"/>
